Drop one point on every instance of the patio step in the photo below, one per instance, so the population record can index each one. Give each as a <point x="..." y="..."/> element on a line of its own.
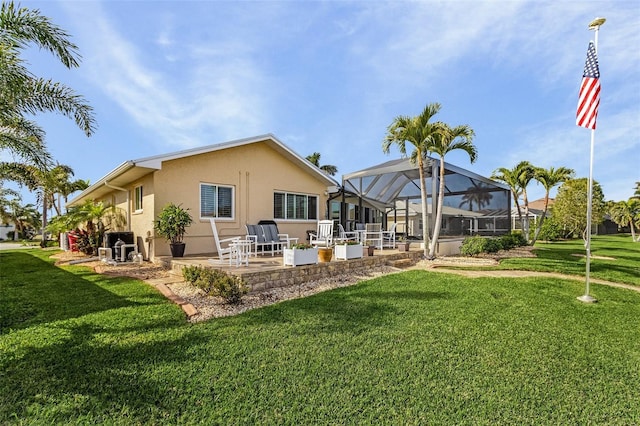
<point x="402" y="263"/>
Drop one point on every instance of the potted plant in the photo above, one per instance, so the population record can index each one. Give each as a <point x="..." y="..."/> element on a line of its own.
<point x="300" y="254"/>
<point x="171" y="224"/>
<point x="349" y="250"/>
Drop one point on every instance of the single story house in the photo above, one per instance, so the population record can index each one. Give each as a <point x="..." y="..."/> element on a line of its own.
<point x="238" y="182"/>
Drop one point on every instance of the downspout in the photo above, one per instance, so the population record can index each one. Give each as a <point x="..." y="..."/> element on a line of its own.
<point x="117" y="188"/>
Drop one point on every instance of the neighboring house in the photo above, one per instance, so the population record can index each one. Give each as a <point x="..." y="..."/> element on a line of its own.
<point x="5" y="230"/>
<point x="238" y="182"/>
<point x="536" y="211"/>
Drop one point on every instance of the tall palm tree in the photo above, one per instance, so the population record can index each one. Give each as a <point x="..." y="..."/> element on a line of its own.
<point x="549" y="178"/>
<point x="419" y="132"/>
<point x="636" y="192"/>
<point x="627" y="213"/>
<point x="509" y="177"/>
<point x="449" y="139"/>
<point x="327" y="168"/>
<point x="22" y="93"/>
<point x="5" y="193"/>
<point x="518" y="179"/>
<point x="22" y="216"/>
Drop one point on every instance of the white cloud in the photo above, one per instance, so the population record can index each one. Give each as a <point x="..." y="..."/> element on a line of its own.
<point x="217" y="92"/>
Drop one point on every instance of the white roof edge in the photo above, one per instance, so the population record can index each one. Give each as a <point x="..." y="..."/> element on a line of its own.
<point x="155" y="162"/>
<point x="122" y="168"/>
<point x="158" y="159"/>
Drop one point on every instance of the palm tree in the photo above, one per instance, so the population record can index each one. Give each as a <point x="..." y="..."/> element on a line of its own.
<point x="421" y="133"/>
<point x="61" y="186"/>
<point x="518" y="179"/>
<point x="627" y="213"/>
<point x="22" y="216"/>
<point x="636" y="192"/>
<point x="450" y="139"/>
<point x="21" y="93"/>
<point x="549" y="178"/>
<point x="5" y="201"/>
<point x="509" y="177"/>
<point x="327" y="168"/>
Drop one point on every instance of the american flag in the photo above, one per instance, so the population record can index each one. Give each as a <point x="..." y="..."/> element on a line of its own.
<point x="589" y="98"/>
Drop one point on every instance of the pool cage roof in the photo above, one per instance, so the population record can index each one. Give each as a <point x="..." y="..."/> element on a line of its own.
<point x="394" y="180"/>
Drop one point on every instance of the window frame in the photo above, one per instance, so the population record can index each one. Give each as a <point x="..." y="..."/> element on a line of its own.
<point x="296" y="196"/>
<point x="138" y="197"/>
<point x="217" y="216"/>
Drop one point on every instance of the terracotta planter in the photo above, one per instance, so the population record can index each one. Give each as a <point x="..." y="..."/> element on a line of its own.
<point x="370" y="250"/>
<point x="325" y="254"/>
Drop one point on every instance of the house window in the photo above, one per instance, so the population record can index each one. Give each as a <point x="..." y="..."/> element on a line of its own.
<point x="295" y="206"/>
<point x="216" y="201"/>
<point x="137" y="199"/>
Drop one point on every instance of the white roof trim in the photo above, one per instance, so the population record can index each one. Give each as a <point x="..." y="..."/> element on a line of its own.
<point x="155" y="162"/>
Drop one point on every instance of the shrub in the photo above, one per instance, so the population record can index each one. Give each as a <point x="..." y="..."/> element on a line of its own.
<point x="551" y="230"/>
<point x="514" y="239"/>
<point x="216" y="283"/>
<point x="492" y="245"/>
<point x="472" y="246"/>
<point x="191" y="273"/>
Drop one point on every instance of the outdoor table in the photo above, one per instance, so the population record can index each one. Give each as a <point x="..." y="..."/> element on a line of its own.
<point x="240" y="252"/>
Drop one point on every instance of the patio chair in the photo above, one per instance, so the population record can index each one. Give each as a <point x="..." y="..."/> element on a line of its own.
<point x="224" y="246"/>
<point x="324" y="234"/>
<point x="389" y="237"/>
<point x="272" y="235"/>
<point x="373" y="235"/>
<point x="346" y="236"/>
<point x="256" y="235"/>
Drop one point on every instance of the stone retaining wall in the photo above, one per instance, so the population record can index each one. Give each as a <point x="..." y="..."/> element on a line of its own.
<point x="295" y="275"/>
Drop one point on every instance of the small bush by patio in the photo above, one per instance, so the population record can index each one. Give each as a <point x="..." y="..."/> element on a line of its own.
<point x="473" y="246"/>
<point x="216" y="283"/>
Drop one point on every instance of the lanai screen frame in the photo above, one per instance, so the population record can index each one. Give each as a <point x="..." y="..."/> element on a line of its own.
<point x="398" y="180"/>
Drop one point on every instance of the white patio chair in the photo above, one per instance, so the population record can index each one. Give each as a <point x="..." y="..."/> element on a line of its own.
<point x="373" y="235"/>
<point x="324" y="234"/>
<point x="224" y="246"/>
<point x="346" y="236"/>
<point x="389" y="237"/>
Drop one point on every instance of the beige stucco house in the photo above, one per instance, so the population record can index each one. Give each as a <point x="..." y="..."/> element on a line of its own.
<point x="238" y="182"/>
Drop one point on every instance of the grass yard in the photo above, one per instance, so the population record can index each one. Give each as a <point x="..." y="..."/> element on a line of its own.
<point x="412" y="348"/>
<point x="613" y="258"/>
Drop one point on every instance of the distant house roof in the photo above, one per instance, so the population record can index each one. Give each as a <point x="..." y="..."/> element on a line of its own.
<point x="132" y="170"/>
<point x="539" y="204"/>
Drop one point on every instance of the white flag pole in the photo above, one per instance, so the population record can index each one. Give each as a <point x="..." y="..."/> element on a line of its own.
<point x="594" y="25"/>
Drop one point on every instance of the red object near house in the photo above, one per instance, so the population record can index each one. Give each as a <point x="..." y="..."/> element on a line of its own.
<point x="73" y="242"/>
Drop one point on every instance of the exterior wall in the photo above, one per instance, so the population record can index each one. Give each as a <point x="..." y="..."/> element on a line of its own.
<point x="255" y="171"/>
<point x="141" y="223"/>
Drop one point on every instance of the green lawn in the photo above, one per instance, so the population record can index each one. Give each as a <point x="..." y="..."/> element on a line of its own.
<point x="412" y="348"/>
<point x="613" y="258"/>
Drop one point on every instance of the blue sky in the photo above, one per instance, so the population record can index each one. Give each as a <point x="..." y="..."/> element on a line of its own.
<point x="330" y="76"/>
